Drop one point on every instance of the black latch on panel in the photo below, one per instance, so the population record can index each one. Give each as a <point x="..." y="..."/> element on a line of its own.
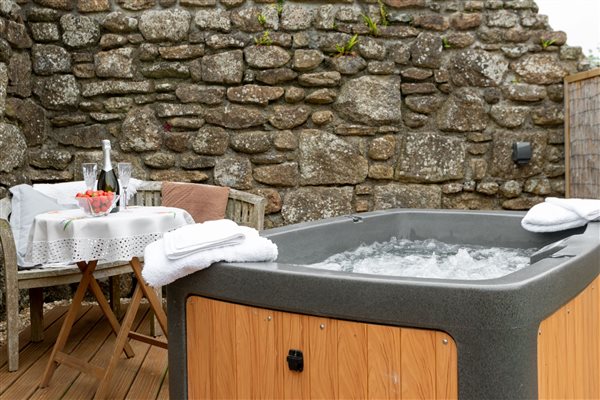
<point x="295" y="360"/>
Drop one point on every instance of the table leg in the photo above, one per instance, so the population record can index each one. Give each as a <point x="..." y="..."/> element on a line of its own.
<point x="105" y="307"/>
<point x="87" y="270"/>
<point x="155" y="304"/>
<point x="141" y="289"/>
<point x="122" y="337"/>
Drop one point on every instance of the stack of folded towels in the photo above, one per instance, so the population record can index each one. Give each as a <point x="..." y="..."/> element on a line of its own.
<point x="559" y="214"/>
<point x="195" y="247"/>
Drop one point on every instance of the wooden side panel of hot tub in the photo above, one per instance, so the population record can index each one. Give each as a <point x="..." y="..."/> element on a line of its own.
<point x="569" y="349"/>
<point x="239" y="352"/>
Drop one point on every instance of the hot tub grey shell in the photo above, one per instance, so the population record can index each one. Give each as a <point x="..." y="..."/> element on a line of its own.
<point x="493" y="322"/>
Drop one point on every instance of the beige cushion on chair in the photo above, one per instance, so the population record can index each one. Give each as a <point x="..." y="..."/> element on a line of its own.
<point x="203" y="202"/>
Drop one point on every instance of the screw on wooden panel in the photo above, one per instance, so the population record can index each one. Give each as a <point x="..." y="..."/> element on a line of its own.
<point x="322" y="326"/>
<point x="269" y="318"/>
<point x="540" y="332"/>
<point x="445" y="341"/>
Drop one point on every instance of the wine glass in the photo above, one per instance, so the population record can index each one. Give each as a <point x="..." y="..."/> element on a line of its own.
<point x="124" y="169"/>
<point x="89" y="174"/>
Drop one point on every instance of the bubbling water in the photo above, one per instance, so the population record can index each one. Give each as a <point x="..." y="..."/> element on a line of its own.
<point x="429" y="259"/>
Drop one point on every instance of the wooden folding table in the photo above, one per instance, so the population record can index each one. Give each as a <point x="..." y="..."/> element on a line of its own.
<point x="70" y="236"/>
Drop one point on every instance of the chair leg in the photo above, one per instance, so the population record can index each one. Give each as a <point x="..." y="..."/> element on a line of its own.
<point x="36" y="312"/>
<point x="114" y="283"/>
<point x="12" y="327"/>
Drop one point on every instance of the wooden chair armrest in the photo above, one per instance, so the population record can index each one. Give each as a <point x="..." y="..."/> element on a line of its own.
<point x="5" y="207"/>
<point x="11" y="289"/>
<point x="154" y="186"/>
<point x="246" y="197"/>
<point x="242" y="207"/>
<point x="11" y="292"/>
<point x="253" y="215"/>
<point x="7" y="241"/>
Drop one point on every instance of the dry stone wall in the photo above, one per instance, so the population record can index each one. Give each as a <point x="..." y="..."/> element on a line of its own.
<point x="421" y="112"/>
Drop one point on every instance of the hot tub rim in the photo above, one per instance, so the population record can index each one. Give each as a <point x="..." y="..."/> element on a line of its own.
<point x="539" y="294"/>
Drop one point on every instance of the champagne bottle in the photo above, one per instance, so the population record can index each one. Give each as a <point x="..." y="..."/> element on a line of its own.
<point x="108" y="178"/>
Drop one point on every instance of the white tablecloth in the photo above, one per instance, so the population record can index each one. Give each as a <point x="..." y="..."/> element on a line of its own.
<point x="70" y="236"/>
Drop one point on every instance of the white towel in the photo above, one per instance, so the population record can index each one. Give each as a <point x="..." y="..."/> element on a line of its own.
<point x="547" y="217"/>
<point x="159" y="270"/>
<point x="64" y="192"/>
<point x="201" y="237"/>
<point x="559" y="214"/>
<point x="585" y="208"/>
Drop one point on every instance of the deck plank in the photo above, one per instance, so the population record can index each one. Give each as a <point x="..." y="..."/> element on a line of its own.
<point x="25" y="335"/>
<point x="147" y="384"/>
<point x="163" y="394"/>
<point x="128" y="370"/>
<point x="28" y="381"/>
<point x="31" y="353"/>
<point x="141" y="377"/>
<point x="85" y="385"/>
<point x="64" y="375"/>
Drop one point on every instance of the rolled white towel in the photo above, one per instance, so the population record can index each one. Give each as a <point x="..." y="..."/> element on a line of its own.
<point x="585" y="208"/>
<point x="549" y="217"/>
<point x="159" y="270"/>
<point x="201" y="237"/>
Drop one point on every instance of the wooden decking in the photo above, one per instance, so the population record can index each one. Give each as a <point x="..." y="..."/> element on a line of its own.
<point x="141" y="377"/>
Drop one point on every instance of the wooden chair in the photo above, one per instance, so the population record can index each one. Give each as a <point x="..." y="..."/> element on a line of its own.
<point x="244" y="208"/>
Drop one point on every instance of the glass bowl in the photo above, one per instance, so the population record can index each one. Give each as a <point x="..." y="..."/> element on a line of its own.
<point x="97" y="206"/>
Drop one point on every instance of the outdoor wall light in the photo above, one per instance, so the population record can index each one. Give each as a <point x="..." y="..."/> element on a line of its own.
<point x="521" y="152"/>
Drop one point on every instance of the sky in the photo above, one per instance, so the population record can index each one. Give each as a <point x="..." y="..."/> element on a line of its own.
<point x="580" y="19"/>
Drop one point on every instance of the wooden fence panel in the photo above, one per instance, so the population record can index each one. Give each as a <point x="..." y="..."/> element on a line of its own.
<point x="582" y="135"/>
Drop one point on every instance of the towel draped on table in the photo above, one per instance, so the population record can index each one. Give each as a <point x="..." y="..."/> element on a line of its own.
<point x="198" y="250"/>
<point x="203" y="202"/>
<point x="560" y="214"/>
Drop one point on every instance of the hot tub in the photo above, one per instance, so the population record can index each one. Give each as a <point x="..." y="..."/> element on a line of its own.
<point x="242" y="330"/>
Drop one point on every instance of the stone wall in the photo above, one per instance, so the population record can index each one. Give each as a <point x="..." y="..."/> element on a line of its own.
<point x="421" y="112"/>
